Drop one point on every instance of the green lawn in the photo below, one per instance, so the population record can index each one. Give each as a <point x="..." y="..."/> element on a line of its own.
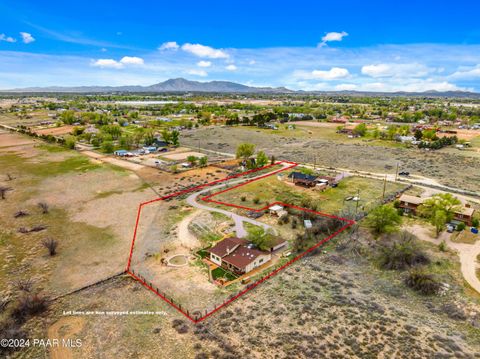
<point x="222" y="273"/>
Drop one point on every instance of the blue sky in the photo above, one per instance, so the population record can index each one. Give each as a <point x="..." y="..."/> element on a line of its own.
<point x="311" y="45"/>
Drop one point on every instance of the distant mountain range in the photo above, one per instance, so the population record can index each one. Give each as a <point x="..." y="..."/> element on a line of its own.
<point x="181" y="85"/>
<point x="172" y="85"/>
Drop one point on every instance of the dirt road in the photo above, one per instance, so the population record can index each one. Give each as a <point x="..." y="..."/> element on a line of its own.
<point x="185" y="237"/>
<point x="64" y="328"/>
<point x="238" y="219"/>
<point x="467" y="252"/>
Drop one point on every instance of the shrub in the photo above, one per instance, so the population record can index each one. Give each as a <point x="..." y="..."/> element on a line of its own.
<point x="401" y="253"/>
<point x="29" y="305"/>
<point x="460" y="227"/>
<point x="423" y="282"/>
<point x="243" y="198"/>
<point x="256" y="200"/>
<point x="442" y="246"/>
<point x="294" y="223"/>
<point x="43" y="206"/>
<point x="51" y="245"/>
<point x="475" y="222"/>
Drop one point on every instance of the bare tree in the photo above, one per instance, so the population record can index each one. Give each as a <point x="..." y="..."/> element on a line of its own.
<point x="20" y="214"/>
<point x="51" y="244"/>
<point x="4" y="190"/>
<point x="43" y="206"/>
<point x="24" y="285"/>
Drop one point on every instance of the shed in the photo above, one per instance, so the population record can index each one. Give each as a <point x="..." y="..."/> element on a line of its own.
<point x="307" y="223"/>
<point x="276" y="209"/>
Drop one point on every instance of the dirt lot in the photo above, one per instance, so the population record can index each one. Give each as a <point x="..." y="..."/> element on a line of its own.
<point x="434" y="164"/>
<point x="180" y="156"/>
<point x="55" y="131"/>
<point x="326" y="306"/>
<point x="92" y="211"/>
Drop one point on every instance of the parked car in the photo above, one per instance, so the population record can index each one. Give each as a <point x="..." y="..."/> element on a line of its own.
<point x="404" y="173"/>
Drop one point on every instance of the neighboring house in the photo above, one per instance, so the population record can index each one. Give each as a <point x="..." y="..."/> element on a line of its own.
<point x="159" y="143"/>
<point x="410" y="204"/>
<point x="238" y="255"/>
<point x="303" y="179"/>
<point x="465" y="215"/>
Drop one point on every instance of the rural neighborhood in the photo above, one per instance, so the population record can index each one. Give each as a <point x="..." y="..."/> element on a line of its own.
<point x="229" y="180"/>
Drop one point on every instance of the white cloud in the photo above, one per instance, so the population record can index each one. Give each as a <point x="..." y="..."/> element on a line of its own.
<point x="204" y="63"/>
<point x="132" y="60"/>
<point x="107" y="63"/>
<point x="27" y="38"/>
<point x="252" y="62"/>
<point x="332" y="36"/>
<point x="103" y="49"/>
<point x="6" y="38"/>
<point x="334" y="73"/>
<point x="466" y="73"/>
<point x="114" y="64"/>
<point x="169" y="45"/>
<point x="396" y="70"/>
<point x="231" y="67"/>
<point x="197" y="72"/>
<point x="205" y="51"/>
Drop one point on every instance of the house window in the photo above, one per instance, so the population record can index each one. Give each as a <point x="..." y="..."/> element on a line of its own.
<point x="260" y="261"/>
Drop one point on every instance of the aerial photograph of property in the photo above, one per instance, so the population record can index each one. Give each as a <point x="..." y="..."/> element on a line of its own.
<point x="239" y="179"/>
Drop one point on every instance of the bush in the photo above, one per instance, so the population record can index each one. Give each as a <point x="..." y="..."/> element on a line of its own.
<point x="29" y="305"/>
<point x="423" y="282"/>
<point x="460" y="227"/>
<point x="256" y="200"/>
<point x="401" y="253"/>
<point x="475" y="222"/>
<point x="243" y="198"/>
<point x="442" y="246"/>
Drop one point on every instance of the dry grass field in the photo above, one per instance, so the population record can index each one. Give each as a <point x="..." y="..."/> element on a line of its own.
<point x="326" y="151"/>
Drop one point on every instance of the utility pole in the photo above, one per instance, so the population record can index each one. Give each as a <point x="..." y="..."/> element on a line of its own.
<point x="396" y="172"/>
<point x="384" y="186"/>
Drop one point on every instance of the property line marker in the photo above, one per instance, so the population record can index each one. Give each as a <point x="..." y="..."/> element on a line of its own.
<point x="186" y="312"/>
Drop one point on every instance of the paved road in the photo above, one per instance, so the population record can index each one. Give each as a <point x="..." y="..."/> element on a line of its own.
<point x="238" y="219"/>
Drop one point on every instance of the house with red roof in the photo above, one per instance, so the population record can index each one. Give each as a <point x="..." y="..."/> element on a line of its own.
<point x="238" y="255"/>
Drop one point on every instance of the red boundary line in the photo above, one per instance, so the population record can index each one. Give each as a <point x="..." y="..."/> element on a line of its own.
<point x="208" y="199"/>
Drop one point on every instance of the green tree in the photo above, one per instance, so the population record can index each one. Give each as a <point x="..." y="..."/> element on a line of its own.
<point x="383" y="219"/>
<point x="439" y="220"/>
<point x="192" y="160"/>
<point x="418" y="135"/>
<point x="439" y="209"/>
<point x="262" y="159"/>
<point x="68" y="117"/>
<point x="175" y="138"/>
<point x="166" y="136"/>
<point x="360" y="129"/>
<point x="70" y="142"/>
<point x="442" y="201"/>
<point x="149" y="137"/>
<point x="107" y="147"/>
<point x="245" y="150"/>
<point x="260" y="237"/>
<point x="203" y="161"/>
